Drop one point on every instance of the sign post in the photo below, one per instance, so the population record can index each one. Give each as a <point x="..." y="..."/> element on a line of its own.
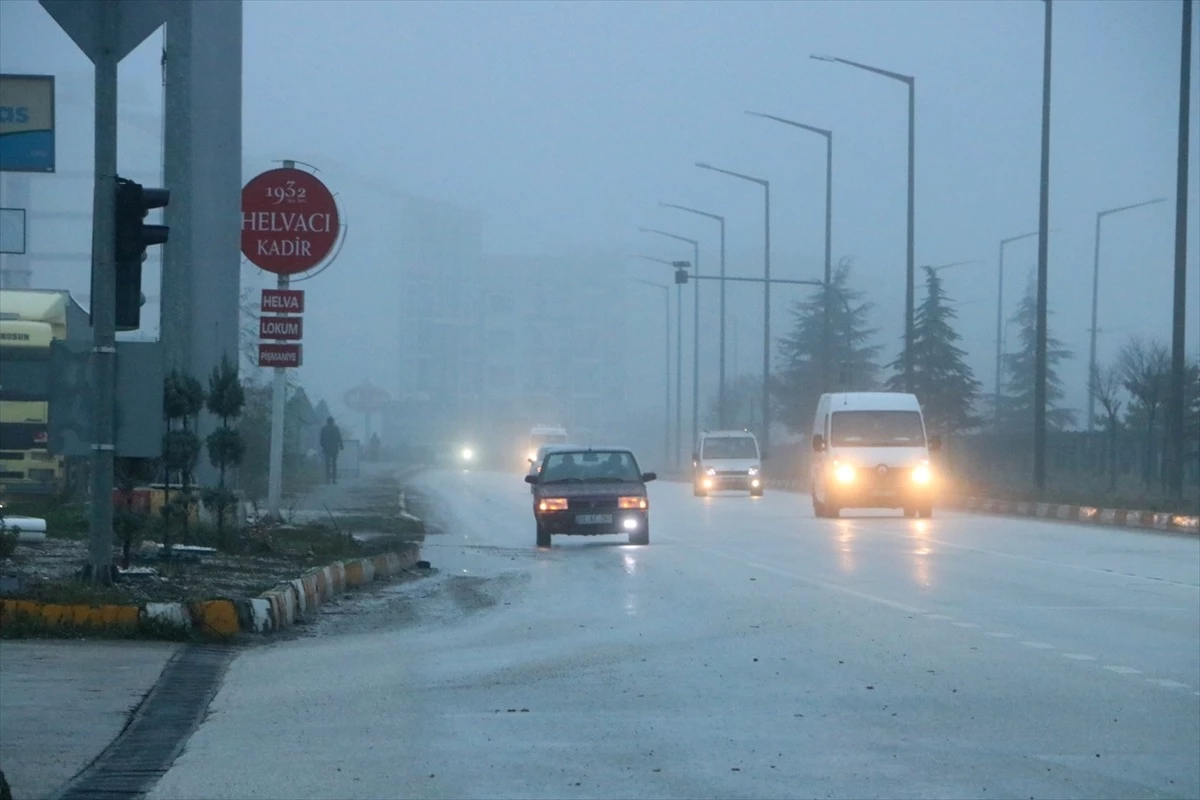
<point x="289" y="225"/>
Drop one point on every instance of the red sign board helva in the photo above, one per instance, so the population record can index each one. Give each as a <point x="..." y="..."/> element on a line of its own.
<point x="282" y="301"/>
<point x="279" y="355"/>
<point x="289" y="221"/>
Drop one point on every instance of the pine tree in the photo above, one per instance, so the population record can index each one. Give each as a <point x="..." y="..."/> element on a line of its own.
<point x="226" y="399"/>
<point x="1016" y="406"/>
<point x="941" y="378"/>
<point x="853" y="362"/>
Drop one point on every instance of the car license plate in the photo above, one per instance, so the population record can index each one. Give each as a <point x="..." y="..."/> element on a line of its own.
<point x="593" y="519"/>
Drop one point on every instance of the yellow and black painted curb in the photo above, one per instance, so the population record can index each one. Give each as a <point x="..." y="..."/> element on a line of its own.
<point x="273" y="610"/>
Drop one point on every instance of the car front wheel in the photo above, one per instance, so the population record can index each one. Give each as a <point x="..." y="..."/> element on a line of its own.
<point x="642" y="536"/>
<point x="543" y="536"/>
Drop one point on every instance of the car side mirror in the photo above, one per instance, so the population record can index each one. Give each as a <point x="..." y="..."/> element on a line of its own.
<point x="935" y="443"/>
<point x="532" y="479"/>
<point x="818" y="443"/>
<point x="649" y="476"/>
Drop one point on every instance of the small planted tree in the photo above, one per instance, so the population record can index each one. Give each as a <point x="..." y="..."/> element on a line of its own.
<point x="129" y="521"/>
<point x="183" y="398"/>
<point x="226" y="399"/>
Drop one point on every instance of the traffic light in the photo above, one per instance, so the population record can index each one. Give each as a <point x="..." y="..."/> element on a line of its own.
<point x="133" y="236"/>
<point x="681" y="275"/>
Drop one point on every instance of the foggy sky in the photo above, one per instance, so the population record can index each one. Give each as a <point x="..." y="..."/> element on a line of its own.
<point x="565" y="124"/>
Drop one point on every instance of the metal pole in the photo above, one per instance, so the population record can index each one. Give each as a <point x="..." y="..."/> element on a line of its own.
<point x="1039" y="389"/>
<point x="104" y="296"/>
<point x="909" y="276"/>
<point x="678" y="375"/>
<point x="999" y="336"/>
<point x="667" y="375"/>
<point x="278" y="392"/>
<point x="766" y="384"/>
<point x="721" y="407"/>
<point x="696" y="347"/>
<point x="1175" y="412"/>
<point x="827" y="323"/>
<point x="1091" y="399"/>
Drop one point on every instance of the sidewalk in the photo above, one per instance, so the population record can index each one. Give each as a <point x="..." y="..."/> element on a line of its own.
<point x="63" y="702"/>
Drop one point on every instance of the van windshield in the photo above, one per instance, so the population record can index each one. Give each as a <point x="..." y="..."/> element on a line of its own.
<point x="876" y="429"/>
<point x="730" y="447"/>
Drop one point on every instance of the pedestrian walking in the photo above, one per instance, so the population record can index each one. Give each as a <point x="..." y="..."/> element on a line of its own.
<point x="331" y="445"/>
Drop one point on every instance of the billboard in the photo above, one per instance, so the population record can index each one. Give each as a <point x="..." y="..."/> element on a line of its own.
<point x="26" y="123"/>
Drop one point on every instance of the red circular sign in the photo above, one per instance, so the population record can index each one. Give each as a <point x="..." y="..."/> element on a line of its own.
<point x="289" y="221"/>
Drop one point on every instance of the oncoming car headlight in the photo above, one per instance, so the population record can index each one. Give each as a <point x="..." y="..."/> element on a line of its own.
<point x="752" y="471"/>
<point x="467" y="454"/>
<point x="710" y="471"/>
<point x="625" y="503"/>
<point x="553" y="504"/>
<point x="922" y="474"/>
<point x="843" y="473"/>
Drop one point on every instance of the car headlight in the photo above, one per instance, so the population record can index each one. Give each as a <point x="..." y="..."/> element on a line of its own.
<point x="922" y="474"/>
<point x="467" y="454"/>
<point x="553" y="504"/>
<point x="532" y="456"/>
<point x="844" y="473"/>
<point x="710" y="471"/>
<point x="632" y="502"/>
<point x="752" y="471"/>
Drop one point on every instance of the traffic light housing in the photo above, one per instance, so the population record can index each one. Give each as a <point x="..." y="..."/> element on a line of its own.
<point x="133" y="203"/>
<point x="681" y="275"/>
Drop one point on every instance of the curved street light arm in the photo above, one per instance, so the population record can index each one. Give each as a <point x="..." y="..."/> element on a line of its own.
<point x="896" y="76"/>
<point x="822" y="131"/>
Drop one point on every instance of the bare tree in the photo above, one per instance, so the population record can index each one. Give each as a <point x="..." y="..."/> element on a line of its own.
<point x="1144" y="368"/>
<point x="1106" y="388"/>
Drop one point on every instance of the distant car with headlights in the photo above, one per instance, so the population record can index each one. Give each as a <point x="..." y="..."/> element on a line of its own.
<point x="467" y="456"/>
<point x="591" y="491"/>
<point x="539" y="457"/>
<point x="727" y="460"/>
<point x="870" y="450"/>
<point x="541" y="435"/>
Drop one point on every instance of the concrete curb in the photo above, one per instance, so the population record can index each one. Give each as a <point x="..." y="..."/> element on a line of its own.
<point x="1107" y="517"/>
<point x="223" y="618"/>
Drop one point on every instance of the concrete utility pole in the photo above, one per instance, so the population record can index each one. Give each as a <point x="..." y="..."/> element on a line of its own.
<point x="1040" y="367"/>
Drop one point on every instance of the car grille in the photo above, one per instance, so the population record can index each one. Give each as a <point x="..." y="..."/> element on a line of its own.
<point x="591" y="503"/>
<point x="889" y="478"/>
<point x="731" y="473"/>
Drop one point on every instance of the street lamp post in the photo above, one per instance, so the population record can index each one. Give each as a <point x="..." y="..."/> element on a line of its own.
<point x="721" y="323"/>
<point x="695" y="329"/>
<point x="766" y="387"/>
<point x="1175" y="398"/>
<point x="1000" y="323"/>
<point x="1100" y="215"/>
<point x="825" y="330"/>
<point x="667" y="366"/>
<point x="1039" y="385"/>
<point x="909" y="289"/>
<point x="678" y="357"/>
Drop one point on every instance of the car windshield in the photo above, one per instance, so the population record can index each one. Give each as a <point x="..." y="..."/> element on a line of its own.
<point x="590" y="466"/>
<point x="877" y="429"/>
<point x="730" y="447"/>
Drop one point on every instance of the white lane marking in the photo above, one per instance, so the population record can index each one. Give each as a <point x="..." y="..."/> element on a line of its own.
<point x="1168" y="683"/>
<point x="1038" y="645"/>
<point x="814" y="582"/>
<point x="1002" y="635"/>
<point x="964" y="624"/>
<point x="1096" y="570"/>
<point x="1123" y="670"/>
<point x="1079" y="656"/>
<point x="1102" y="608"/>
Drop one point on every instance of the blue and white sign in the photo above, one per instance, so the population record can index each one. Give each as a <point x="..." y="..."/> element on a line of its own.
<point x="26" y="123"/>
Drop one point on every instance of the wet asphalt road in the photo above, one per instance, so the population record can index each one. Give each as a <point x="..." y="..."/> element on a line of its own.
<point x="750" y="651"/>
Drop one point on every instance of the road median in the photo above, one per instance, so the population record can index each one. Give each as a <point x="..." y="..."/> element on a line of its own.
<point x="219" y="618"/>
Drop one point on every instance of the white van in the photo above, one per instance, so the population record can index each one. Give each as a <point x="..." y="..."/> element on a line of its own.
<point x="870" y="450"/>
<point x="727" y="460"/>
